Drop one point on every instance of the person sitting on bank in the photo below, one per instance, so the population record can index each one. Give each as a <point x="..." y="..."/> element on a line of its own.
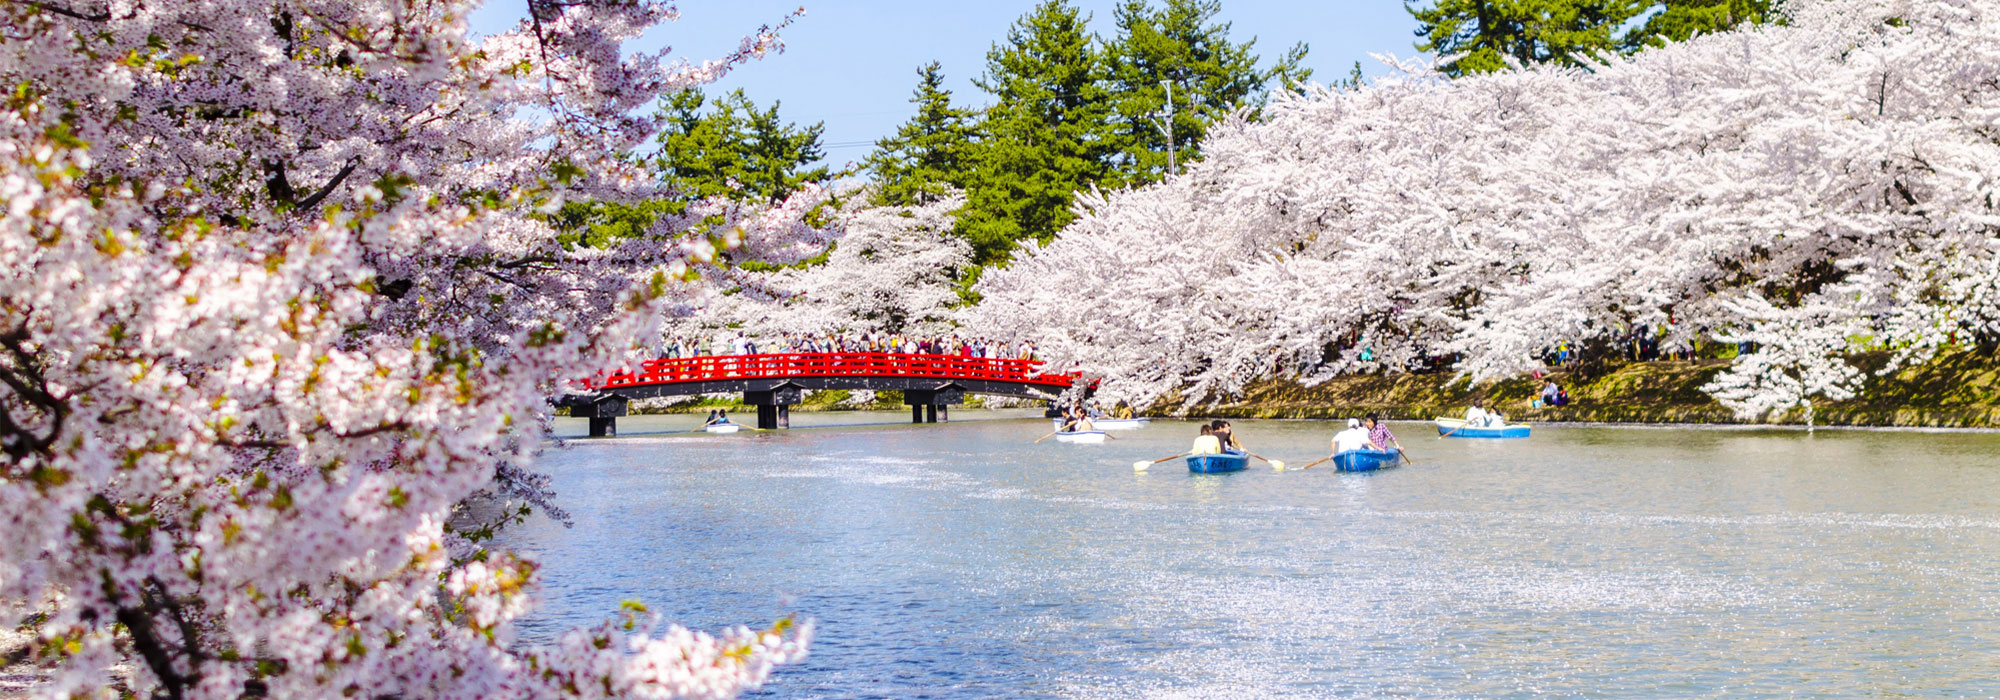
<point x="1550" y="392"/>
<point x="1206" y="444"/>
<point x="1354" y="438"/>
<point x="1227" y="436"/>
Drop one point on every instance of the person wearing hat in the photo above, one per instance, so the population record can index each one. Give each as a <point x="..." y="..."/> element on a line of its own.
<point x="1351" y="439"/>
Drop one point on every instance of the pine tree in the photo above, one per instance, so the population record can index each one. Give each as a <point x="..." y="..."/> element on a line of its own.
<point x="1044" y="137"/>
<point x="721" y="148"/>
<point x="1180" y="44"/>
<point x="930" y="154"/>
<point x="734" y="150"/>
<point x="1676" y="20"/>
<point x="1485" y="32"/>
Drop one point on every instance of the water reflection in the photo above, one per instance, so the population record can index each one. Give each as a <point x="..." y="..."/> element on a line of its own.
<point x="962" y="561"/>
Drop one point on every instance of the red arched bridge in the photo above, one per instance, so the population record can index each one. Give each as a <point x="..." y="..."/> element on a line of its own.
<point x="773" y="382"/>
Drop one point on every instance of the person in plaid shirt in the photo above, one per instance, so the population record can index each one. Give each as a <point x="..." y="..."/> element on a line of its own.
<point x="1378" y="433"/>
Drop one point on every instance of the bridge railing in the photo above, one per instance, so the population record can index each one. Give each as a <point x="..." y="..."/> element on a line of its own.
<point x="830" y="364"/>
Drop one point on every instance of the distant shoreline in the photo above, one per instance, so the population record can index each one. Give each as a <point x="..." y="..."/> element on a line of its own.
<point x="1956" y="391"/>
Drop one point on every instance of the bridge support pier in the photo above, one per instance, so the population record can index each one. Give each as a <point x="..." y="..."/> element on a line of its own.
<point x="774" y="405"/>
<point x="927" y="404"/>
<point x="774" y="417"/>
<point x="603" y="412"/>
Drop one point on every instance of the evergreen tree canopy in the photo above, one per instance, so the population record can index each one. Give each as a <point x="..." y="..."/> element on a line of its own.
<point x="728" y="148"/>
<point x="930" y="155"/>
<point x="735" y="149"/>
<point x="1182" y="44"/>
<point x="1485" y="32"/>
<point x="1676" y="20"/>
<point x="1044" y="137"/>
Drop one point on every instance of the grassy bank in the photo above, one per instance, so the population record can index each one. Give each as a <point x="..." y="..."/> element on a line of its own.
<point x="1959" y="390"/>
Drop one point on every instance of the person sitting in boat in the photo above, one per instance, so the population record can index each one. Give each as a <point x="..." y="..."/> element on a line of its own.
<point x="1352" y="439"/>
<point x="1206" y="444"/>
<point x="1226" y="436"/>
<point x="1074" y="421"/>
<point x="1124" y="411"/>
<point x="1479" y="417"/>
<point x="721" y="417"/>
<point x="710" y="421"/>
<point x="1378" y="433"/>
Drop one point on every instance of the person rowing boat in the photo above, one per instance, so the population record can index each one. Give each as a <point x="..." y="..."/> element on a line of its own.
<point x="1074" y="421"/>
<point x="1226" y="436"/>
<point x="1352" y="439"/>
<point x="1206" y="444"/>
<point x="1378" y="433"/>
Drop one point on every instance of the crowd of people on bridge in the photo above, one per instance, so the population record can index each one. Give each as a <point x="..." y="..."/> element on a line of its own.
<point x="744" y="344"/>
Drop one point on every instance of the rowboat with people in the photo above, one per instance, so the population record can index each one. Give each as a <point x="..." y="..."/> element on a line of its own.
<point x="1367" y="460"/>
<point x="1217" y="463"/>
<point x="1456" y="427"/>
<point x="1082" y="436"/>
<point x="1111" y="423"/>
<point x="723" y="428"/>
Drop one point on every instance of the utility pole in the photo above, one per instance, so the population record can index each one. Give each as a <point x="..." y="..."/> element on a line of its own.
<point x="1167" y="127"/>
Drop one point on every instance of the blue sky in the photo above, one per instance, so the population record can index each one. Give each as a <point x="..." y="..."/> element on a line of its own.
<point x="852" y="63"/>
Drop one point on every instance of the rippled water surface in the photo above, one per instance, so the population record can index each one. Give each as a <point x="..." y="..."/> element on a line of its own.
<point x="961" y="560"/>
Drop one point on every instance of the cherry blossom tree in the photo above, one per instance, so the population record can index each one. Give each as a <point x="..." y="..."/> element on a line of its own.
<point x="1817" y="187"/>
<point x="278" y="295"/>
<point x="892" y="271"/>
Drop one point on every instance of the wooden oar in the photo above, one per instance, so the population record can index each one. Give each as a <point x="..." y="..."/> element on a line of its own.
<point x="1278" y="465"/>
<point x="1404" y="452"/>
<point x="1143" y="465"/>
<point x="1045" y="437"/>
<point x="1461" y="426"/>
<point x="1316" y="463"/>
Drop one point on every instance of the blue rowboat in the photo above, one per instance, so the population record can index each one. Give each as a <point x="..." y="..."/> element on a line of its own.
<point x="1456" y="428"/>
<point x="1367" y="460"/>
<point x="1217" y="464"/>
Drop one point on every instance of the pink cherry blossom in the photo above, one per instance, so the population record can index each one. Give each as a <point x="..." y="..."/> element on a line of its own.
<point x="279" y="299"/>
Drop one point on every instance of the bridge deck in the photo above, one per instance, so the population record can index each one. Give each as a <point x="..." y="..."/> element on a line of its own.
<point x="930" y="383"/>
<point x="699" y="373"/>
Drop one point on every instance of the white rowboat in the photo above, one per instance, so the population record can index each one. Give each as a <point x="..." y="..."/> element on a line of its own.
<point x="724" y="428"/>
<point x="1121" y="423"/>
<point x="1083" y="436"/>
<point x="1109" y="423"/>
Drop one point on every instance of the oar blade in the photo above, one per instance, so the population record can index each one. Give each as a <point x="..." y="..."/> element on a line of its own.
<point x="1278" y="464"/>
<point x="1141" y="466"/>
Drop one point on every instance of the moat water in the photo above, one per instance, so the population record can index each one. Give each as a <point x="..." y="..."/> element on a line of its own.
<point x="961" y="560"/>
